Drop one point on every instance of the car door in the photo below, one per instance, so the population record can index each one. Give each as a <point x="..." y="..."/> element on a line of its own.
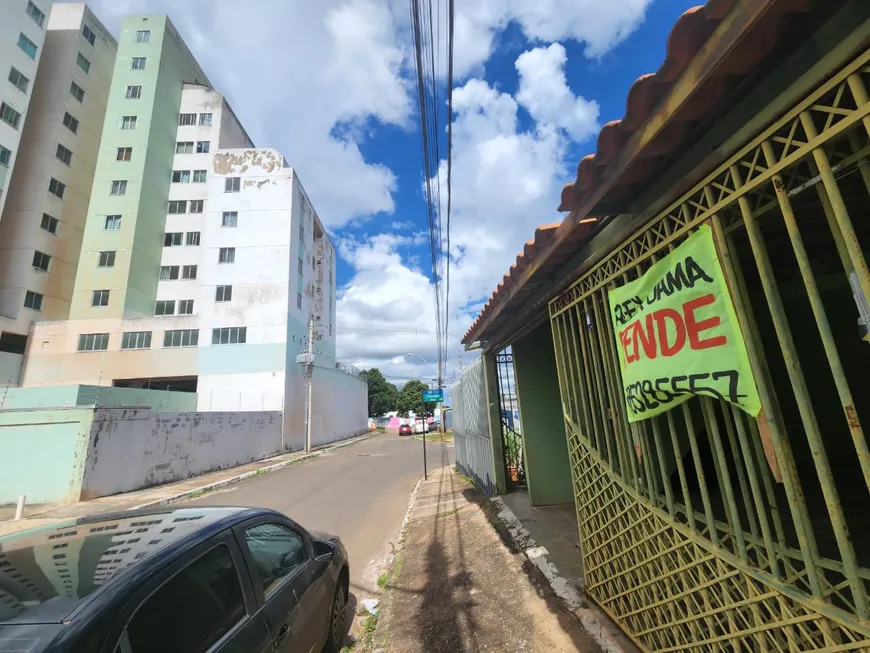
<point x="202" y="602"/>
<point x="281" y="561"/>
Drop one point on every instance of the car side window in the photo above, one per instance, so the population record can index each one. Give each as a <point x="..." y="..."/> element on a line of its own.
<point x="277" y="551"/>
<point x="193" y="610"/>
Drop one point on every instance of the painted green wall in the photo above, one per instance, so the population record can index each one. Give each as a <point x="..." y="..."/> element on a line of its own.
<point x="548" y="470"/>
<point x="88" y="395"/>
<point x="139" y="242"/>
<point x="44" y="452"/>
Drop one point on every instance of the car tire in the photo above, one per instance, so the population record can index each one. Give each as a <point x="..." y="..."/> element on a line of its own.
<point x="335" y="636"/>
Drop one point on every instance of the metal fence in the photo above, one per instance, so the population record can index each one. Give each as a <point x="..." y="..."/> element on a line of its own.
<point x="471" y="441"/>
<point x="703" y="529"/>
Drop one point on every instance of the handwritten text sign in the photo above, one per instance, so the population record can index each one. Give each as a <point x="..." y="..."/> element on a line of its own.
<point x="677" y="334"/>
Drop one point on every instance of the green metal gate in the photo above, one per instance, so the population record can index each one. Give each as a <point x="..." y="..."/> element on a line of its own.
<point x="512" y="440"/>
<point x="703" y="528"/>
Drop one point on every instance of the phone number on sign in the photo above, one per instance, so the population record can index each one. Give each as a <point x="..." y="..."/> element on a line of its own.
<point x="651" y="394"/>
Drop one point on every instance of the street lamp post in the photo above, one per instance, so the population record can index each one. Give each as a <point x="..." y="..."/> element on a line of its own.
<point x="440" y="408"/>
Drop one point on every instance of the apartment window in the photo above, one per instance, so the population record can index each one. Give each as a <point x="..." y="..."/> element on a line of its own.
<point x="93" y="342"/>
<point x="184" y="147"/>
<point x="302" y="234"/>
<point x="41" y="260"/>
<point x="229" y="335"/>
<point x="56" y="188"/>
<point x="169" y="272"/>
<point x="185" y="307"/>
<point x="136" y="340"/>
<point x="113" y="223"/>
<point x="299" y="300"/>
<point x="181" y="338"/>
<point x="134" y="92"/>
<point x="5" y="156"/>
<point x="143" y="36"/>
<point x="166" y="307"/>
<point x="223" y="294"/>
<point x="63" y="154"/>
<point x="83" y="63"/>
<point x="172" y="239"/>
<point x="203" y="147"/>
<point x="186" y="119"/>
<point x="27" y="46"/>
<point x="124" y="154"/>
<point x="119" y="187"/>
<point x="230" y="219"/>
<point x="128" y="122"/>
<point x="178" y="206"/>
<point x="192" y="238"/>
<point x="18" y="80"/>
<point x="77" y="91"/>
<point x="205" y="119"/>
<point x="181" y="176"/>
<point x="49" y="223"/>
<point x="196" y="206"/>
<point x="199" y="176"/>
<point x="137" y="63"/>
<point x="299" y="267"/>
<point x="232" y="184"/>
<point x="106" y="259"/>
<point x="35" y="13"/>
<point x="70" y="123"/>
<point x="89" y="35"/>
<point x="33" y="300"/>
<point x="227" y="255"/>
<point x="188" y="272"/>
<point x="99" y="298"/>
<point x="9" y="115"/>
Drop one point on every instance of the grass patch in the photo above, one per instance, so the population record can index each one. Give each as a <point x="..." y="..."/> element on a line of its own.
<point x="195" y="495"/>
<point x="383" y="579"/>
<point x="365" y="641"/>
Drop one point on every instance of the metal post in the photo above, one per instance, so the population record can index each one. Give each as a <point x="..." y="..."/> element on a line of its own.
<point x="19" y="510"/>
<point x="309" y="379"/>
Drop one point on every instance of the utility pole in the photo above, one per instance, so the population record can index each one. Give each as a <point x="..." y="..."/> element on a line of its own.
<point x="309" y="377"/>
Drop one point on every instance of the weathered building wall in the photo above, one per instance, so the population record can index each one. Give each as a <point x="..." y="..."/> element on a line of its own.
<point x="130" y="449"/>
<point x="340" y="406"/>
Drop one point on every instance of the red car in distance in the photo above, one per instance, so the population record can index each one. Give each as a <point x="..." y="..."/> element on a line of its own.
<point x="405" y="429"/>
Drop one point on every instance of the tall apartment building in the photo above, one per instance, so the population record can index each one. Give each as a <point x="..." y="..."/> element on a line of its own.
<point x="22" y="33"/>
<point x="50" y="186"/>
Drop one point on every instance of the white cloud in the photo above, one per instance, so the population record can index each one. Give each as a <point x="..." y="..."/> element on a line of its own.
<point x="598" y="25"/>
<point x="506" y="182"/>
<point x="295" y="71"/>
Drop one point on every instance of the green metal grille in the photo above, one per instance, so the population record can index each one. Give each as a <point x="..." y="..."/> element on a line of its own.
<point x="703" y="529"/>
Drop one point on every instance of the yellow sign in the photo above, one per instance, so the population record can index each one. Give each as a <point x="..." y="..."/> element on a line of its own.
<point x="677" y="334"/>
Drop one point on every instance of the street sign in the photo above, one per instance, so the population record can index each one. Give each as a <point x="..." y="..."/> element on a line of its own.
<point x="433" y="396"/>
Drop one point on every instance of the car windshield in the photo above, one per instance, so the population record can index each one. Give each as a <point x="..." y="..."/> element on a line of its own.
<point x="46" y="572"/>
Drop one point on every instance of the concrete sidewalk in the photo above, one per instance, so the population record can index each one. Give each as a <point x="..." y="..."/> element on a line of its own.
<point x="456" y="586"/>
<point x="162" y="494"/>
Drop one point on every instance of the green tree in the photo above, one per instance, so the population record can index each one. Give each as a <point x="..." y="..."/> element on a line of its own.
<point x="411" y="399"/>
<point x="383" y="395"/>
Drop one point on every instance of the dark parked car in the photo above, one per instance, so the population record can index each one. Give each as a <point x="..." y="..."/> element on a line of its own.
<point x="405" y="429"/>
<point x="434" y="426"/>
<point x="185" y="580"/>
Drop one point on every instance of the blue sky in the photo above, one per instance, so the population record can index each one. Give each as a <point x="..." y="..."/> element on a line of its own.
<point x="330" y="84"/>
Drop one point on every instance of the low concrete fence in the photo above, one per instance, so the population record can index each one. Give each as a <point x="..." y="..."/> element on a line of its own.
<point x="134" y="448"/>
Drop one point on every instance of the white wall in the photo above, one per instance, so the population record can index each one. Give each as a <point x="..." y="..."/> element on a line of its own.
<point x="135" y="448"/>
<point x="340" y="406"/>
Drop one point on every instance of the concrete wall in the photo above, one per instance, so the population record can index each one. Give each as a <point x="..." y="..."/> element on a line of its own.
<point x="548" y="468"/>
<point x="10" y="368"/>
<point x="43" y="454"/>
<point x="163" y="447"/>
<point x="63" y="396"/>
<point x="340" y="406"/>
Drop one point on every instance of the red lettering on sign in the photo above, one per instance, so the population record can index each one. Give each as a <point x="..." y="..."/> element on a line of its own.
<point x="640" y="336"/>
<point x="695" y="328"/>
<point x="662" y="315"/>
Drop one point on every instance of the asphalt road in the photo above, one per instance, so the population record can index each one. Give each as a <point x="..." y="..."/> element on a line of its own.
<point x="359" y="492"/>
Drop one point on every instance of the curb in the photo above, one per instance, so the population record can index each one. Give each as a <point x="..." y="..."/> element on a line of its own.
<point x="380" y="639"/>
<point x="241" y="477"/>
<point x="570" y="597"/>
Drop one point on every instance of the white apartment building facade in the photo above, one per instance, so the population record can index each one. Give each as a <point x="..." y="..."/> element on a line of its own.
<point x="49" y="189"/>
<point x="244" y="264"/>
<point x="22" y="33"/>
